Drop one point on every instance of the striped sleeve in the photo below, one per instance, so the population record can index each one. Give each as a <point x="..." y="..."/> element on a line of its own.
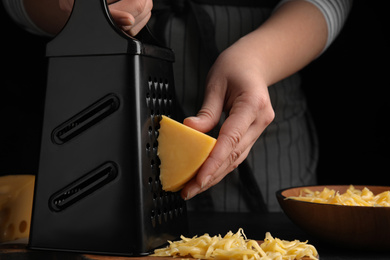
<point x="335" y="13"/>
<point x="16" y="10"/>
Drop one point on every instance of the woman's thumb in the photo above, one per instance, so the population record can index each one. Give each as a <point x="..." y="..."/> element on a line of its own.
<point x="207" y="117"/>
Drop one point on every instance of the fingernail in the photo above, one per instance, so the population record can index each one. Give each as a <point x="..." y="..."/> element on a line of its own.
<point x="205" y="181"/>
<point x="194" y="118"/>
<point x="192" y="192"/>
<point x="126" y="28"/>
<point x="188" y="196"/>
<point x="126" y="22"/>
<point x="191" y="118"/>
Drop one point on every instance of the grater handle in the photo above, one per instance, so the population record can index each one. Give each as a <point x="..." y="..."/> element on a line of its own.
<point x="90" y="30"/>
<point x="144" y="35"/>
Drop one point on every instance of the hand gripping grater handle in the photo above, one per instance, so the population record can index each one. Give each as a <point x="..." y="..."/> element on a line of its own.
<point x="98" y="187"/>
<point x="90" y="30"/>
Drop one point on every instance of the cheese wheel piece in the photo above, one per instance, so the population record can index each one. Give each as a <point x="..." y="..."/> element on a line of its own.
<point x="182" y="150"/>
<point x="16" y="198"/>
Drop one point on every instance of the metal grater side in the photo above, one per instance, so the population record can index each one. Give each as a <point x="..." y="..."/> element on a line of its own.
<point x="98" y="186"/>
<point x="167" y="206"/>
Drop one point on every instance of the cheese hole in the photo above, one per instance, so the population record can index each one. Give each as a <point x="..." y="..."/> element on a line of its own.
<point x="23" y="226"/>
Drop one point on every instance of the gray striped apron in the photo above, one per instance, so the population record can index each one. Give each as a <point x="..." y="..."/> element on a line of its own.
<point x="286" y="153"/>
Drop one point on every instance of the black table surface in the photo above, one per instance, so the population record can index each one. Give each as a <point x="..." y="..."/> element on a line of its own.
<point x="255" y="225"/>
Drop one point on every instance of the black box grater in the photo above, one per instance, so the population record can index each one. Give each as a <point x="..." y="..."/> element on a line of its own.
<point x="98" y="188"/>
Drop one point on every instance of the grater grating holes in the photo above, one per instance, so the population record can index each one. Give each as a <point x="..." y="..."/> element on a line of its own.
<point x="166" y="205"/>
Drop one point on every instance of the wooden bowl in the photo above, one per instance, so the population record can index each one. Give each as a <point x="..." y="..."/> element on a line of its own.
<point x="357" y="227"/>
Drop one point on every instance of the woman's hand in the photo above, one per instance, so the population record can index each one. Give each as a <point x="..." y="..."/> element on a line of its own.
<point x="238" y="83"/>
<point x="130" y="15"/>
<point x="234" y="85"/>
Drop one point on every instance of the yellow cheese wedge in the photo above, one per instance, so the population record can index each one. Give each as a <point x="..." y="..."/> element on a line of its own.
<point x="182" y="150"/>
<point x="16" y="198"/>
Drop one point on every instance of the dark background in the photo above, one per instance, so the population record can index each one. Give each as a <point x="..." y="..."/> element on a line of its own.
<point x="347" y="89"/>
<point x="23" y="82"/>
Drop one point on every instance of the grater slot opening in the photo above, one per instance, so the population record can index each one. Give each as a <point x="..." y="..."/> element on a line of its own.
<point x="84" y="186"/>
<point x="85" y="119"/>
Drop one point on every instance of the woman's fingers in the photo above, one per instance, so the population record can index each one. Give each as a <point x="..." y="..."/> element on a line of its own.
<point x="214" y="170"/>
<point x="248" y="118"/>
<point x="123" y="19"/>
<point x="210" y="113"/>
<point x="130" y="15"/>
<point x="134" y="30"/>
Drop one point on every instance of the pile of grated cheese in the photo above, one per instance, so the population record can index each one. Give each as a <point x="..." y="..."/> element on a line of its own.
<point x="352" y="197"/>
<point x="238" y="247"/>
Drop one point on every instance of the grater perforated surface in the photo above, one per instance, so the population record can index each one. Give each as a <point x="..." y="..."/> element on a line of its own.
<point x="166" y="205"/>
